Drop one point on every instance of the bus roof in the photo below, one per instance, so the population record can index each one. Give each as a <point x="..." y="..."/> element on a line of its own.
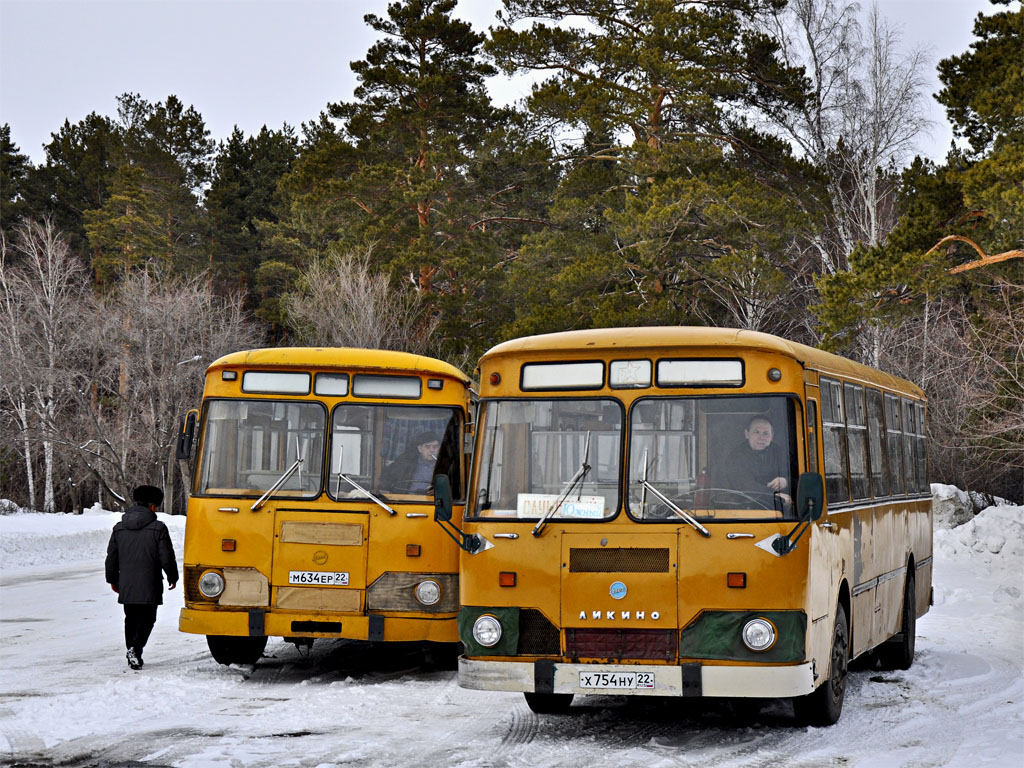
<point x="338" y="357"/>
<point x="608" y="340"/>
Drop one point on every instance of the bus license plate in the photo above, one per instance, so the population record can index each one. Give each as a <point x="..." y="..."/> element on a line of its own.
<point x="616" y="680"/>
<point x="319" y="578"/>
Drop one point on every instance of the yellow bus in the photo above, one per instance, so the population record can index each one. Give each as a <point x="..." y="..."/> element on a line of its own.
<point x="309" y="511"/>
<point x="690" y="512"/>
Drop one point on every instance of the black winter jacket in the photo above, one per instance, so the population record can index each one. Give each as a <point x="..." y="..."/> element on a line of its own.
<point x="139" y="547"/>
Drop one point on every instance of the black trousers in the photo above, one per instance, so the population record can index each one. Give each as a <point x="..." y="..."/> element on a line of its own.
<point x="138" y="623"/>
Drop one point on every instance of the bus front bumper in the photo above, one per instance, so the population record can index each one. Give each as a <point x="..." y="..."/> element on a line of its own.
<point x="668" y="680"/>
<point x="377" y="628"/>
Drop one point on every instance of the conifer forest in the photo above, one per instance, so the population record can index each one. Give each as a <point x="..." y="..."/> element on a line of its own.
<point x="737" y="163"/>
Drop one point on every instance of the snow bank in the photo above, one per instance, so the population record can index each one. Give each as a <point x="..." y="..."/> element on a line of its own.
<point x="951" y="505"/>
<point x="31" y="539"/>
<point x="994" y="535"/>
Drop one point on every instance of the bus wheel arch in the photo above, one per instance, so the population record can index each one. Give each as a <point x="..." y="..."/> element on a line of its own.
<point x="549" y="703"/>
<point x="824" y="704"/>
<point x="228" y="649"/>
<point x="845" y="601"/>
<point x="898" y="653"/>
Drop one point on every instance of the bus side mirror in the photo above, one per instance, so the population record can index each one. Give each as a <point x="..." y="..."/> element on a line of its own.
<point x="186" y="431"/>
<point x="810" y="496"/>
<point x="442" y="499"/>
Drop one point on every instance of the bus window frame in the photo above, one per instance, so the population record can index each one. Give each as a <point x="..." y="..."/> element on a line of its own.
<point x="472" y="493"/>
<point x="631" y="388"/>
<point x="702" y="384"/>
<point x="275" y="393"/>
<point x="874" y="394"/>
<point x="813" y="430"/>
<point x="201" y="448"/>
<point x="461" y="417"/>
<point x="799" y="448"/>
<point x="859" y="430"/>
<point x="567" y="388"/>
<point x="897" y="455"/>
<point x="826" y="382"/>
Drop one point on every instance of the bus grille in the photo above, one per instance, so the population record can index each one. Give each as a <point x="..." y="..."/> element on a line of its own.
<point x="618" y="560"/>
<point x="620" y="644"/>
<point x="537" y="635"/>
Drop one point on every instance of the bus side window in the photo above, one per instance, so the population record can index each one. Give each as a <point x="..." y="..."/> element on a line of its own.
<point x="922" y="450"/>
<point x="833" y="429"/>
<point x="909" y="447"/>
<point x="857" y="439"/>
<point x="812" y="436"/>
<point x="876" y="444"/>
<point x="895" y="442"/>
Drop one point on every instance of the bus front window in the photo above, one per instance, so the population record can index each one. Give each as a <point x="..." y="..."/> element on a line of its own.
<point x="534" y="452"/>
<point x="394" y="450"/>
<point x="713" y="455"/>
<point x="249" y="444"/>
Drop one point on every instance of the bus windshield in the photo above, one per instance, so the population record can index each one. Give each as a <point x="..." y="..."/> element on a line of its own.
<point x="536" y="453"/>
<point x="249" y="444"/>
<point x="393" y="450"/>
<point x="712" y="456"/>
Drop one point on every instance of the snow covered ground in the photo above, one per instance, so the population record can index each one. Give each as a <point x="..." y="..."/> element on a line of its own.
<point x="67" y="697"/>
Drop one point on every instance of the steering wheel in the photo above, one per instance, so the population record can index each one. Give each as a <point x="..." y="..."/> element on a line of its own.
<point x="408" y="486"/>
<point x="760" y="499"/>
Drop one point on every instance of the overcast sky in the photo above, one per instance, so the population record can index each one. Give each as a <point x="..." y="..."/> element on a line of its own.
<point x="266" y="62"/>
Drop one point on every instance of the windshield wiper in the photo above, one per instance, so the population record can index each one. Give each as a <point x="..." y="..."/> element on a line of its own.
<point x="282" y="479"/>
<point x="577" y="478"/>
<point x="357" y="486"/>
<point x="686" y="516"/>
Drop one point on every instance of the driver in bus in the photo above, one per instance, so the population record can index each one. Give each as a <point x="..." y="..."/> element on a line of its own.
<point x="757" y="466"/>
<point x="413" y="471"/>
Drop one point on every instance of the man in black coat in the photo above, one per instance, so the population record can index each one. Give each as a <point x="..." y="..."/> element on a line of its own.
<point x="140" y="546"/>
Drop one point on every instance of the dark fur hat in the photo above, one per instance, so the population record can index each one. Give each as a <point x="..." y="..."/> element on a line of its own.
<point x="148" y="494"/>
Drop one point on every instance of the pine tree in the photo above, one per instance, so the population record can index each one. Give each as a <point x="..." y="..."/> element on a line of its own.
<point x="243" y="197"/>
<point x="129" y="231"/>
<point x="423" y="168"/>
<point x="14" y="171"/>
<point x="670" y="177"/>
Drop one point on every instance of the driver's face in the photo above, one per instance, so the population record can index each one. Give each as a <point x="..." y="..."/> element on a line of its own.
<point x="759" y="435"/>
<point x="429" y="450"/>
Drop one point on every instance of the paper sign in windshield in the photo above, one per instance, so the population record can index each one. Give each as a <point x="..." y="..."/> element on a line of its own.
<point x="538" y="504"/>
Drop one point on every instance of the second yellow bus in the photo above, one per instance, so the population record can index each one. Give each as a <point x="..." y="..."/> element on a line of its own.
<point x="309" y="513"/>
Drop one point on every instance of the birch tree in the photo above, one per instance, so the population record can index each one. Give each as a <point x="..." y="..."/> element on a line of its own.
<point x="44" y="289"/>
<point x="157" y="335"/>
<point x="342" y="302"/>
<point x="863" y="112"/>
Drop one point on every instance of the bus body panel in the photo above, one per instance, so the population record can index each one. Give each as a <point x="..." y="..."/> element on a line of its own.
<point x="713" y="680"/>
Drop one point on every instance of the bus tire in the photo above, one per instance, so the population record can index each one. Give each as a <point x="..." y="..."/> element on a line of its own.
<point x="825" y="705"/>
<point x="549" y="703"/>
<point x="226" y="649"/>
<point x="898" y="653"/>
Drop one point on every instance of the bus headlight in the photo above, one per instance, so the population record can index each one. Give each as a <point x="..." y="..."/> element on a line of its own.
<point x="487" y="631"/>
<point x="211" y="584"/>
<point x="428" y="592"/>
<point x="758" y="634"/>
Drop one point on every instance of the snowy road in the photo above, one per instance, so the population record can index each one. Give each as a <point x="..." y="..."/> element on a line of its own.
<point x="67" y="697"/>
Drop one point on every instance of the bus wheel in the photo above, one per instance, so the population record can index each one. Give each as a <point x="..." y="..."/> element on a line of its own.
<point x="236" y="650"/>
<point x="549" y="703"/>
<point x="442" y="656"/>
<point x="899" y="652"/>
<point x="825" y="704"/>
